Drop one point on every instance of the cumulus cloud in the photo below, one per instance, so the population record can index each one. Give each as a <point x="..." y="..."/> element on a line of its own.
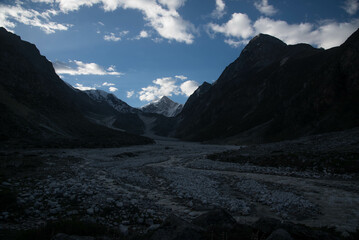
<point x="163" y="87"/>
<point x="82" y="87"/>
<point x="181" y="77"/>
<point x="111" y="37"/>
<point x="351" y="6"/>
<point x="11" y="14"/>
<point x="326" y="34"/>
<point x="264" y="7"/>
<point x="130" y="94"/>
<point x="43" y="1"/>
<point x="80" y="68"/>
<point x="167" y="86"/>
<point x="142" y="34"/>
<point x="161" y="15"/>
<point x="115" y="37"/>
<point x="220" y="9"/>
<point x="112" y="89"/>
<point x="172" y="4"/>
<point x="108" y="84"/>
<point x="238" y="26"/>
<point x="235" y="43"/>
<point x="74" y="5"/>
<point x="189" y="87"/>
<point x="239" y="29"/>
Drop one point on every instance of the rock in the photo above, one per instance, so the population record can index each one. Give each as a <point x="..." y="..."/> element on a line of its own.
<point x="153" y="227"/>
<point x="218" y="218"/>
<point x="280" y="234"/>
<point x="6" y="184"/>
<point x="267" y="225"/>
<point x="149" y="221"/>
<point x="90" y="211"/>
<point x="123" y="229"/>
<point x="175" y="228"/>
<point x="63" y="236"/>
<point x="140" y="220"/>
<point x="119" y="204"/>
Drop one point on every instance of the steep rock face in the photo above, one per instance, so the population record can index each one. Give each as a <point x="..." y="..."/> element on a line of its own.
<point x="275" y="91"/>
<point x="163" y="106"/>
<point x="39" y="109"/>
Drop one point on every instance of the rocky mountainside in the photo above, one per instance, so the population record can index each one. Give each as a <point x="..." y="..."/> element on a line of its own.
<point x="275" y="91"/>
<point x="163" y="106"/>
<point x="39" y="109"/>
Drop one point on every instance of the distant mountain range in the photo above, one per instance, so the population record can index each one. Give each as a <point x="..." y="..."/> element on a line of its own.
<point x="272" y="92"/>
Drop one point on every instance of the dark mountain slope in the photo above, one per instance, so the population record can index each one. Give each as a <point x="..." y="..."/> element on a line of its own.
<point x="274" y="91"/>
<point x="39" y="109"/>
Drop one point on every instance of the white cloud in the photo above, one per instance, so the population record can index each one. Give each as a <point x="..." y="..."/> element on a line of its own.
<point x="130" y="94"/>
<point x="113" y="37"/>
<point x="82" y="87"/>
<point x="326" y="34"/>
<point x="111" y="68"/>
<point x="351" y="6"/>
<point x="162" y="15"/>
<point x="43" y="1"/>
<point x="235" y="43"/>
<point x="80" y="68"/>
<point x="112" y="89"/>
<point x="9" y="14"/>
<point x="167" y="22"/>
<point x="163" y="87"/>
<point x="264" y="7"/>
<point x="181" y="77"/>
<point x="238" y="26"/>
<point x="172" y="4"/>
<point x="74" y="5"/>
<point x="189" y="87"/>
<point x="239" y="29"/>
<point x="220" y="9"/>
<point x="167" y="86"/>
<point x="108" y="84"/>
<point x="142" y="34"/>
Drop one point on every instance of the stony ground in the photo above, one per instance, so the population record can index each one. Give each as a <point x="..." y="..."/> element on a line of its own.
<point x="134" y="189"/>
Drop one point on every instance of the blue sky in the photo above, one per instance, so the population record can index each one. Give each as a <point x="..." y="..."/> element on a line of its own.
<point x="141" y="50"/>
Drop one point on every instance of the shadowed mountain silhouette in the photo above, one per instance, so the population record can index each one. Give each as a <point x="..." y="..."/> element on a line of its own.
<point x="39" y="109"/>
<point x="275" y="91"/>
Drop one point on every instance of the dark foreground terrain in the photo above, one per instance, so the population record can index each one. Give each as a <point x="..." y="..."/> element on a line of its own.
<point x="302" y="189"/>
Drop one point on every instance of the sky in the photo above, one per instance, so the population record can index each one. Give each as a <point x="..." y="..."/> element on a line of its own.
<point x="141" y="50"/>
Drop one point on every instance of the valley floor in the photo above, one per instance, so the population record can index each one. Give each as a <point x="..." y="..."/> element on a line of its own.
<point x="136" y="188"/>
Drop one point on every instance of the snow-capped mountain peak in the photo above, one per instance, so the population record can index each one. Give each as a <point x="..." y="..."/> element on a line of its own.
<point x="164" y="106"/>
<point x="112" y="100"/>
